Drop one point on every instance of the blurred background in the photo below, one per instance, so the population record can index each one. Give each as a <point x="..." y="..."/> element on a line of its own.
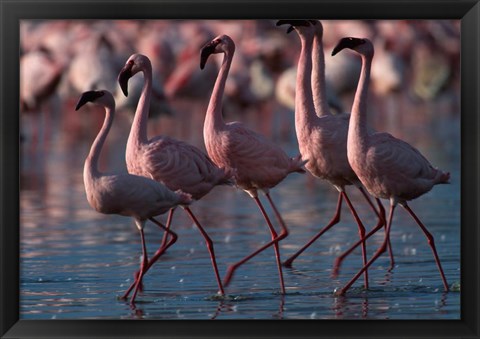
<point x="74" y="261"/>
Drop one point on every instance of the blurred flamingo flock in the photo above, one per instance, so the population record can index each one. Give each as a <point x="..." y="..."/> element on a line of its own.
<point x="67" y="248"/>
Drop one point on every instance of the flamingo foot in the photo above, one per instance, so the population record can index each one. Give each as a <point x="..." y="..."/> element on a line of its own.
<point x="288" y="263"/>
<point x="392" y="266"/>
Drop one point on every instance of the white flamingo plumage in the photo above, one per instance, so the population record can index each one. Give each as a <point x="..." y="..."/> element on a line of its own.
<point x="125" y="194"/>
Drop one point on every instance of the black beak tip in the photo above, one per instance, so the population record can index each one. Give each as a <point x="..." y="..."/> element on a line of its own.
<point x="208" y="49"/>
<point x="293" y="23"/>
<point x="88" y="96"/>
<point x="203" y="61"/>
<point x="123" y="77"/>
<point x="349" y="42"/>
<point x="124" y="90"/>
<point x="80" y="103"/>
<point x="341" y="45"/>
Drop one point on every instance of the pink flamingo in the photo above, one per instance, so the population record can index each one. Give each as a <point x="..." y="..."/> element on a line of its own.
<point x="258" y="163"/>
<point x="176" y="164"/>
<point x="388" y="167"/>
<point x="322" y="137"/>
<point x="125" y="194"/>
<point x="40" y="74"/>
<point x="93" y="66"/>
<point x="186" y="81"/>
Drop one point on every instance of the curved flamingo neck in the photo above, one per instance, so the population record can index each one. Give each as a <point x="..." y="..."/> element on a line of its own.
<point x="304" y="108"/>
<point x="318" y="77"/>
<point x="90" y="169"/>
<point x="138" y="131"/>
<point x="357" y="133"/>
<point x="213" y="118"/>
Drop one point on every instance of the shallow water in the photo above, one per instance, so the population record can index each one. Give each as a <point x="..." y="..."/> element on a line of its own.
<point x="75" y="262"/>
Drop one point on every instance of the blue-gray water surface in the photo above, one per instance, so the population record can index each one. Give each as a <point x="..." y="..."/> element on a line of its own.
<point x="75" y="262"/>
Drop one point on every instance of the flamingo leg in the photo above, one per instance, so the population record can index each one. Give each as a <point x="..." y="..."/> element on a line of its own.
<point x="390" y="248"/>
<point x="143" y="267"/>
<point x="165" y="235"/>
<point x="361" y="233"/>
<point x="284" y="233"/>
<point x="162" y="248"/>
<point x="333" y="221"/>
<point x="339" y="259"/>
<point x="277" y="214"/>
<point x="209" y="247"/>
<point x="275" y="239"/>
<point x="431" y="242"/>
<point x="382" y="249"/>
<point x="381" y="223"/>
<point x="381" y="220"/>
<point x="155" y="257"/>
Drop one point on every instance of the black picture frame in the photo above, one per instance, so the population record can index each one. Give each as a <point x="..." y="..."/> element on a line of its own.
<point x="11" y="11"/>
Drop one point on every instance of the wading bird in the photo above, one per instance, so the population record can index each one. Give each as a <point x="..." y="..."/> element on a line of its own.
<point x="125" y="194"/>
<point x="322" y="136"/>
<point x="389" y="168"/>
<point x="174" y="163"/>
<point x="257" y="163"/>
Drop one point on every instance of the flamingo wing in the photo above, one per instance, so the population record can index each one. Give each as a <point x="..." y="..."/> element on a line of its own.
<point x="408" y="173"/>
<point x="132" y="195"/>
<point x="253" y="157"/>
<point x="181" y="166"/>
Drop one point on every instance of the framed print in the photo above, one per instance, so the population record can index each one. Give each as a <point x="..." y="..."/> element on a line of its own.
<point x="133" y="206"/>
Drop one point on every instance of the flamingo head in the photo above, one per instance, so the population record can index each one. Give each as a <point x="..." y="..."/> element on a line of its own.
<point x="295" y="24"/>
<point x="318" y="27"/>
<point x="361" y="46"/>
<point x="102" y="97"/>
<point x="221" y="44"/>
<point x="135" y="63"/>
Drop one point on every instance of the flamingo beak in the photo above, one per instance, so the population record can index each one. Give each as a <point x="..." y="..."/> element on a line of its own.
<point x="347" y="43"/>
<point x="208" y="49"/>
<point x="293" y="23"/>
<point x="123" y="76"/>
<point x="338" y="48"/>
<point x="88" y="96"/>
